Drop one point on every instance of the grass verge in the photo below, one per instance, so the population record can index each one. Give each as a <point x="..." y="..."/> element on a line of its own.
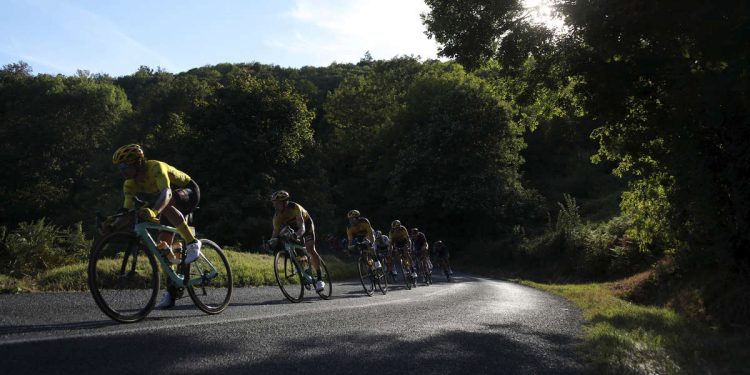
<point x="626" y="338"/>
<point x="248" y="269"/>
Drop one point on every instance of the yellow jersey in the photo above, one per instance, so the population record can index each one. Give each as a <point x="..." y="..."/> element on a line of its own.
<point x="289" y="217"/>
<point x="159" y="176"/>
<point x="361" y="229"/>
<point x="399" y="234"/>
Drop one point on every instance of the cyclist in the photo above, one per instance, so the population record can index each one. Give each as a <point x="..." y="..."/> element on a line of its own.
<point x="359" y="228"/>
<point x="420" y="248"/>
<point x="400" y="240"/>
<point x="381" y="245"/>
<point x="288" y="213"/>
<point x="442" y="254"/>
<point x="156" y="177"/>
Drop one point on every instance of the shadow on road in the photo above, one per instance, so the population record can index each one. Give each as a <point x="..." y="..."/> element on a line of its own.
<point x="492" y="350"/>
<point x="17" y="329"/>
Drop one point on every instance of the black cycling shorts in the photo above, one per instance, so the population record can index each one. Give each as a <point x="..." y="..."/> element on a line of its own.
<point x="185" y="200"/>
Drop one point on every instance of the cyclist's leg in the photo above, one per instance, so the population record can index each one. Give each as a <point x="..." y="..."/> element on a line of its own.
<point x="309" y="238"/>
<point x="183" y="202"/>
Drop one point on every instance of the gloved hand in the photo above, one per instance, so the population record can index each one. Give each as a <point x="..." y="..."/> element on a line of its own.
<point x="270" y="245"/>
<point x="148" y="214"/>
<point x="105" y="227"/>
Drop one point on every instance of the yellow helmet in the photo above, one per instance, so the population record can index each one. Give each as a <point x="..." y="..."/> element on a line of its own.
<point x="128" y="154"/>
<point x="395" y="223"/>
<point x="352" y="213"/>
<point x="281" y="195"/>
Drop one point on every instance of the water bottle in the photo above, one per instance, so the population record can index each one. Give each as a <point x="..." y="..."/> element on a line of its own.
<point x="176" y="254"/>
<point x="164" y="249"/>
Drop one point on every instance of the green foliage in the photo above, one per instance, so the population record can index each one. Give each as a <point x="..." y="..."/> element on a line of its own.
<point x="667" y="86"/>
<point x="39" y="246"/>
<point x="67" y="122"/>
<point x="626" y="338"/>
<point x="457" y="154"/>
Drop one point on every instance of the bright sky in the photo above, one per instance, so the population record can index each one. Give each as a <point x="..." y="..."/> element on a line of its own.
<point x="118" y="36"/>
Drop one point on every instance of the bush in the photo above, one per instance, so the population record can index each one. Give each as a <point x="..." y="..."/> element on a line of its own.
<point x="38" y="246"/>
<point x="585" y="250"/>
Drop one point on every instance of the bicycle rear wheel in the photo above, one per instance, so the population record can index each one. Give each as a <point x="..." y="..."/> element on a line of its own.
<point x="424" y="271"/>
<point x="123" y="277"/>
<point x="288" y="278"/>
<point x="381" y="279"/>
<point x="214" y="275"/>
<point x="366" y="276"/>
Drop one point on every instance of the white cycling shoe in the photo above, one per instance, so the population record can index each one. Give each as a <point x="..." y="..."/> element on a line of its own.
<point x="320" y="285"/>
<point x="166" y="301"/>
<point x="193" y="252"/>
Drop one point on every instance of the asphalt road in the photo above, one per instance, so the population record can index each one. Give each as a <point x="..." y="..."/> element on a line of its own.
<point x="471" y="326"/>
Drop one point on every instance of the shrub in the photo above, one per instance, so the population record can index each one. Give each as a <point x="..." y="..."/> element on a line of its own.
<point x="38" y="246"/>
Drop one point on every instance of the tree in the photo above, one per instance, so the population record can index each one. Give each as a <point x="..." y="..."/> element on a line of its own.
<point x="54" y="143"/>
<point x="456" y="168"/>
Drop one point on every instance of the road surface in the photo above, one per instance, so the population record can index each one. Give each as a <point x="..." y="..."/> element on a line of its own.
<point x="471" y="326"/>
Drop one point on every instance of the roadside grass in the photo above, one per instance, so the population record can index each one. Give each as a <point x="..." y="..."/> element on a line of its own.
<point x="12" y="285"/>
<point x="248" y="269"/>
<point x="626" y="338"/>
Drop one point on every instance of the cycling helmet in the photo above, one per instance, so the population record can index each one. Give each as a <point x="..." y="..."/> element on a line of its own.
<point x="395" y="223"/>
<point x="414" y="231"/>
<point x="128" y="154"/>
<point x="281" y="195"/>
<point x="378" y="233"/>
<point x="352" y="213"/>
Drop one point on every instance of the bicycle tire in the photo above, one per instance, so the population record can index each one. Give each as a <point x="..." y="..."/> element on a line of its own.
<point x="126" y="298"/>
<point x="407" y="277"/>
<point x="381" y="279"/>
<point x="213" y="296"/>
<point x="366" y="276"/>
<point x="288" y="277"/>
<point x="326" y="277"/>
<point x="426" y="273"/>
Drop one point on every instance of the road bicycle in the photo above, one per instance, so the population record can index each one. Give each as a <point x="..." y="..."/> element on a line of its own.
<point x="404" y="255"/>
<point x="372" y="273"/>
<point x="425" y="269"/>
<point x="124" y="279"/>
<point x="293" y="269"/>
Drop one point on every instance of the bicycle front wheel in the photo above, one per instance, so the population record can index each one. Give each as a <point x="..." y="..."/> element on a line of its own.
<point x="210" y="285"/>
<point x="123" y="277"/>
<point x="405" y="274"/>
<point x="326" y="277"/>
<point x="365" y="275"/>
<point x="287" y="276"/>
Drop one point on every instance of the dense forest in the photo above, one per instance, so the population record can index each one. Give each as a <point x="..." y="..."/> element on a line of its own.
<point x="617" y="145"/>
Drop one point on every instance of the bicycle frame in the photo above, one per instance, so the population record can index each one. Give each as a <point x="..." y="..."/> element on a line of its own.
<point x="141" y="230"/>
<point x="289" y="248"/>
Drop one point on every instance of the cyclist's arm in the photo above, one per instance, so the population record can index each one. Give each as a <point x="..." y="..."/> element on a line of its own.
<point x="162" y="183"/>
<point x="161" y="202"/>
<point x="349" y="236"/>
<point x="276" y="226"/>
<point x="300" y="224"/>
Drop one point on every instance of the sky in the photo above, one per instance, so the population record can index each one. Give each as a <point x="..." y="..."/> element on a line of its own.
<point x="118" y="36"/>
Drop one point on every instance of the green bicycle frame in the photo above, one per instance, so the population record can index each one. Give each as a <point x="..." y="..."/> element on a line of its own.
<point x="289" y="248"/>
<point x="141" y="230"/>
